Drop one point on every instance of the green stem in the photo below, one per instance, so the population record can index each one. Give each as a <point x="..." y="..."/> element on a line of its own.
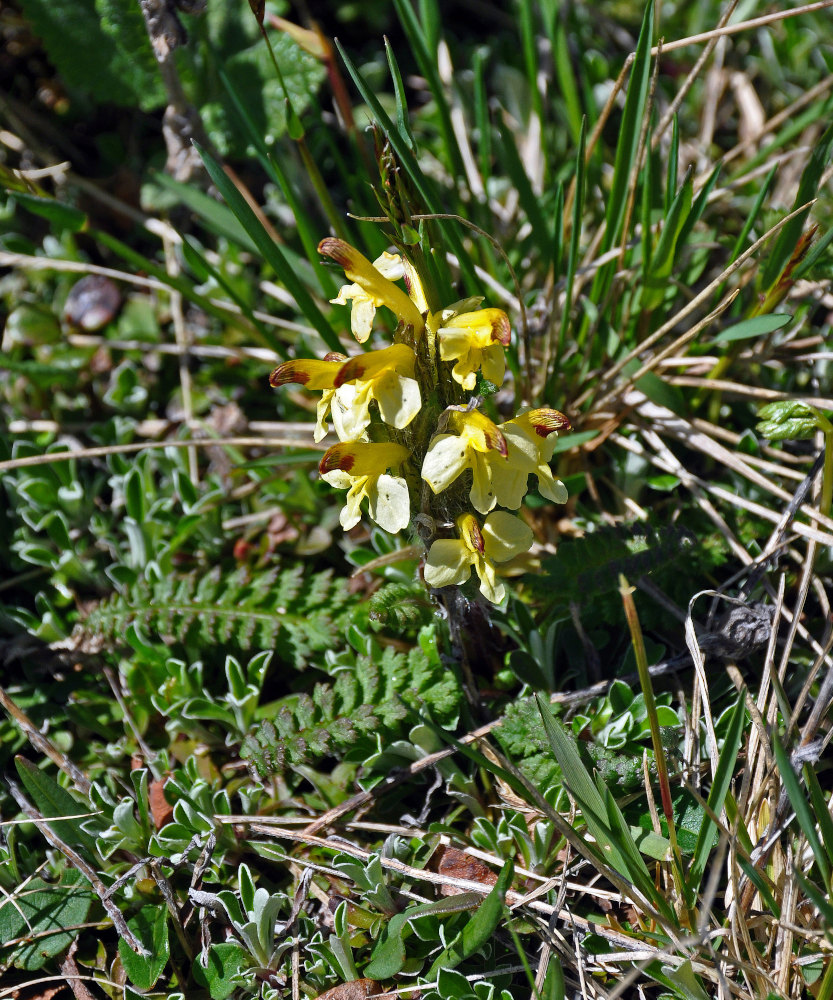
<point x="659" y="751"/>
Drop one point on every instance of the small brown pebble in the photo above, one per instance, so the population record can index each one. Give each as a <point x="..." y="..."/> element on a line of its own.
<point x="92" y="303"/>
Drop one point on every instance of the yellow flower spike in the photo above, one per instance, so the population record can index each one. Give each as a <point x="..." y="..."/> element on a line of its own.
<point x="502" y="537"/>
<point x="370" y="287"/>
<point x="361" y="469"/>
<point x="385" y="376"/>
<point x="476" y="443"/>
<point x="475" y="340"/>
<point x="313" y="374"/>
<point x="530" y="439"/>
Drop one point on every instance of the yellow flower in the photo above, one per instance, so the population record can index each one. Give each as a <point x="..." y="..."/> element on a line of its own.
<point x="313" y="374"/>
<point x="502" y="537"/>
<point x="370" y="287"/>
<point x="474" y="440"/>
<point x="475" y="340"/>
<point x="387" y="377"/>
<point x="361" y="468"/>
<point x="530" y="440"/>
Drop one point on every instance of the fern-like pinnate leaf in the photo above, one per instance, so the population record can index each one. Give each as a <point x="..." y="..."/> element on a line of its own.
<point x="303" y="614"/>
<point x="376" y="697"/>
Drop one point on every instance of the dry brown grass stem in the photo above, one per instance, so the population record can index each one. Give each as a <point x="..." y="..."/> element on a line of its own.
<point x="734" y="29"/>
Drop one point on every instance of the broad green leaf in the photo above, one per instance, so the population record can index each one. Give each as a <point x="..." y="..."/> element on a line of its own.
<point x="223" y="964"/>
<point x="53" y="801"/>
<point x="480" y="927"/>
<point x="96" y="52"/>
<point x="42" y="909"/>
<point x="150" y="925"/>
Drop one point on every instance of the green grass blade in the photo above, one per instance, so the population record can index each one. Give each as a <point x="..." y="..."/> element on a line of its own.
<point x="807" y="190"/>
<point x="202" y="268"/>
<point x="572" y="257"/>
<point x="717" y="795"/>
<point x="803" y="813"/>
<point x="216" y="217"/>
<point x="431" y="199"/>
<point x="419" y="39"/>
<point x="267" y="247"/>
<point x="511" y="159"/>
<point x="673" y="164"/>
<point x="567" y="81"/>
<point x="399" y="96"/>
<point x="601" y="813"/>
<point x="628" y="144"/>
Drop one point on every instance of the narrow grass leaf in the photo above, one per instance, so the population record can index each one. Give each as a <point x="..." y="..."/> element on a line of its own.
<point x="58" y="214"/>
<point x="480" y="928"/>
<point x="755" y="326"/>
<point x="673" y="163"/>
<point x="399" y="97"/>
<point x="662" y="259"/>
<point x="601" y="814"/>
<point x="566" y="80"/>
<point x="717" y="795"/>
<point x="753" y="215"/>
<point x="807" y="190"/>
<point x="432" y="201"/>
<point x="216" y="217"/>
<point x="572" y="257"/>
<point x="269" y="250"/>
<point x="821" y="811"/>
<point x="803" y="813"/>
<point x="628" y="144"/>
<point x="203" y="269"/>
<point x="419" y="41"/>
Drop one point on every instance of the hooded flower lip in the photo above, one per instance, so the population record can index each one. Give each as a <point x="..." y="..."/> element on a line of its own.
<point x="502" y="537"/>
<point x="530" y="439"/>
<point x="309" y="372"/>
<point x="361" y="468"/>
<point x="371" y="287"/>
<point x="381" y="375"/>
<point x="476" y="444"/>
<point x="475" y="340"/>
<point x="313" y="374"/>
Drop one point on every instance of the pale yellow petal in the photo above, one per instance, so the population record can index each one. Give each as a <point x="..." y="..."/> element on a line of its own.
<point x="505" y="536"/>
<point x="482" y="494"/>
<point x="398" y="398"/>
<point x="448" y="563"/>
<point x="493" y="364"/>
<point x="361" y="318"/>
<point x="446" y="458"/>
<point x="550" y="487"/>
<point x="490" y="588"/>
<point x="390" y="504"/>
<point x="508" y="481"/>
